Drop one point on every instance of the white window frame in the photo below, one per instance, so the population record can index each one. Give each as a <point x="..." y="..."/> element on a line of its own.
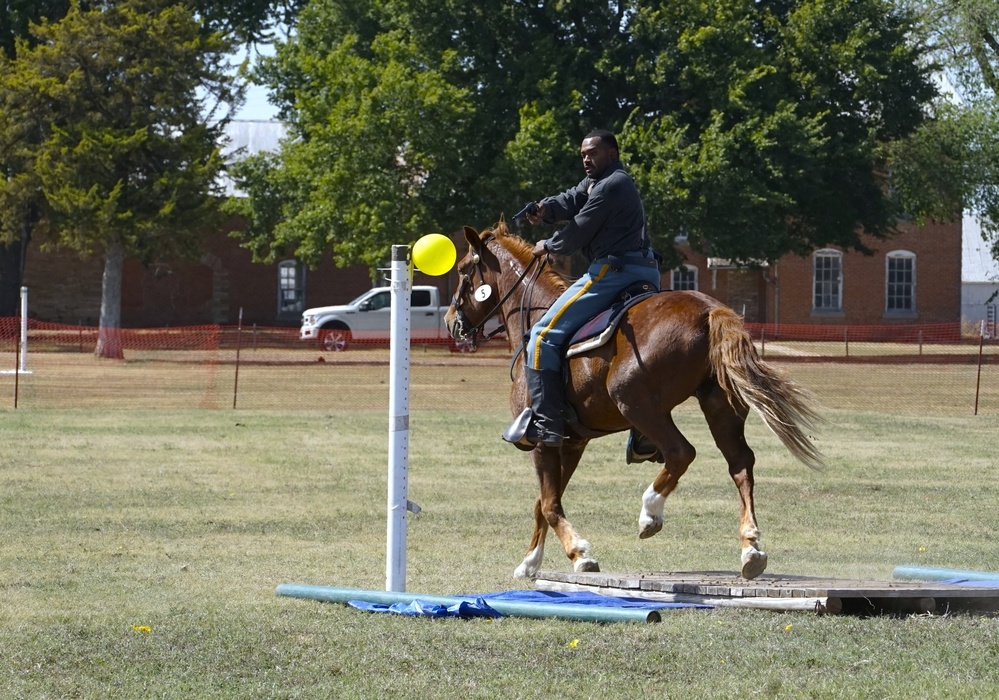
<point x="689" y="269"/>
<point x="831" y="287"/>
<point x="910" y="257"/>
<point x="294" y="304"/>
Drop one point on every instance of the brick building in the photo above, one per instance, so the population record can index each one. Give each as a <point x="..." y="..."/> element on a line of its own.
<point x="914" y="277"/>
<point x="210" y="290"/>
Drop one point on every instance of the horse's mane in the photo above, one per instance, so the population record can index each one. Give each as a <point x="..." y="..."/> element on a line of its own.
<point x="521" y="250"/>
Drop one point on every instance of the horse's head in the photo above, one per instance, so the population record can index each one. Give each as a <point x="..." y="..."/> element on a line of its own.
<point x="476" y="299"/>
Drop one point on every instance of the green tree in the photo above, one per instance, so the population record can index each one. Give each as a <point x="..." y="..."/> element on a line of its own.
<point x="110" y="148"/>
<point x="757" y="128"/>
<point x="247" y="21"/>
<point x="952" y="161"/>
<point x="765" y="138"/>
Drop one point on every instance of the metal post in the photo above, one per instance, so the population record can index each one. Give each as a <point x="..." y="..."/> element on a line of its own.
<point x="24" y="329"/>
<point x="398" y="459"/>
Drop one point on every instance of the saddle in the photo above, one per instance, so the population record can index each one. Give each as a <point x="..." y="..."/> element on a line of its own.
<point x="599" y="329"/>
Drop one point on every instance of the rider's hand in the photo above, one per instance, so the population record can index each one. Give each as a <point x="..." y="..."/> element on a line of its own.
<point x="537" y="216"/>
<point x="539" y="249"/>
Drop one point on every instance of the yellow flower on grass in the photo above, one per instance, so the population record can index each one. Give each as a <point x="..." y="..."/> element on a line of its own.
<point x="574" y="643"/>
<point x="142" y="628"/>
<point x="788" y="628"/>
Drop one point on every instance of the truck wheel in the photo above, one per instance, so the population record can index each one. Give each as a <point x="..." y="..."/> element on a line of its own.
<point x="334" y="339"/>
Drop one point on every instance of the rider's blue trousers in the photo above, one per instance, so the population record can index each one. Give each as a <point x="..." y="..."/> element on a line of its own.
<point x="585" y="298"/>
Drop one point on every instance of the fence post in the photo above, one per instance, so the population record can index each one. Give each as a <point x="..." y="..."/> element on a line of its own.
<point x="846" y="340"/>
<point x="239" y="338"/>
<point x="978" y="381"/>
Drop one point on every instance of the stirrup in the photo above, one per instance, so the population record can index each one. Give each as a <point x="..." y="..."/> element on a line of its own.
<point x="526" y="432"/>
<point x="642" y="449"/>
<point x="516" y="434"/>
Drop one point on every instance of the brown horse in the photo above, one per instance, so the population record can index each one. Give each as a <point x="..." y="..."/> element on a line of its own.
<point x="669" y="347"/>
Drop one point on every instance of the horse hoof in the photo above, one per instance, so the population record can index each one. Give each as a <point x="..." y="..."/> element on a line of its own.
<point x="649" y="529"/>
<point x="531" y="565"/>
<point x="755" y="564"/>
<point x="586" y="565"/>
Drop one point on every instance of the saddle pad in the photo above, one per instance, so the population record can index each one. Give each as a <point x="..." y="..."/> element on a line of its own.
<point x="601" y="327"/>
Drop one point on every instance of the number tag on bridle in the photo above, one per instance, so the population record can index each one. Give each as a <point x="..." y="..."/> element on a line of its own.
<point x="483" y="292"/>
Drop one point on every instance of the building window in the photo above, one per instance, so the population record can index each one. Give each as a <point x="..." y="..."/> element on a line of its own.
<point x="684" y="278"/>
<point x="828" y="281"/>
<point x="291" y="288"/>
<point x="900" y="282"/>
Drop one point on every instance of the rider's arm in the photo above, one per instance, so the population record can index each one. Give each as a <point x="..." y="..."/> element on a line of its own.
<point x="586" y="223"/>
<point x="563" y="207"/>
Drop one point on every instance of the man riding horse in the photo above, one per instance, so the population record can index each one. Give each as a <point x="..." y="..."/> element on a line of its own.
<point x="606" y="222"/>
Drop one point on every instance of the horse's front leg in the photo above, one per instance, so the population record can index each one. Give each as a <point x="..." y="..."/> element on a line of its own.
<point x="554" y="467"/>
<point x="536" y="551"/>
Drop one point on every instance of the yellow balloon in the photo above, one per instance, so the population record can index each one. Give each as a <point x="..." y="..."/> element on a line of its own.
<point x="434" y="254"/>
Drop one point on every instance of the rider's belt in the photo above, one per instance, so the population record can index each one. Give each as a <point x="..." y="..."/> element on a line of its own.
<point x="619" y="260"/>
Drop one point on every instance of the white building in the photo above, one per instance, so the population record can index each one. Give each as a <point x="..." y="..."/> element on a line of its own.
<point x="247" y="137"/>
<point x="979" y="279"/>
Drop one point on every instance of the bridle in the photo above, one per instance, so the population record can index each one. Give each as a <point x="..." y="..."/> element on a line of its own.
<point x="465" y="281"/>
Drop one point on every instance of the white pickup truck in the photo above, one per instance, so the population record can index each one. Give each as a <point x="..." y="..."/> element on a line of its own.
<point x="368" y="318"/>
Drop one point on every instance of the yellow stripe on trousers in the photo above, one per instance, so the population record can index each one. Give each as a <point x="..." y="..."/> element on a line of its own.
<point x="558" y="314"/>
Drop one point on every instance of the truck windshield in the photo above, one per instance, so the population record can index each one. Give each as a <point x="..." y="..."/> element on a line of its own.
<point x="419" y="297"/>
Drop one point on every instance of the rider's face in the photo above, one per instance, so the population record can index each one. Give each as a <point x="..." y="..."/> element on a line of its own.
<point x="596" y="156"/>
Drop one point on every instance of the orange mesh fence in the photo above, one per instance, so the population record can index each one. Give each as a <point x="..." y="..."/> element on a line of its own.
<point x="935" y="333"/>
<point x="922" y="369"/>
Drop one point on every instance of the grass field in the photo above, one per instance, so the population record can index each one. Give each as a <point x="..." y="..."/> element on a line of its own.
<point x="141" y="549"/>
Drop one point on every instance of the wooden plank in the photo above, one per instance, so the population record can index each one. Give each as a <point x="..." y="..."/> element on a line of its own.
<point x="772" y="591"/>
<point x="821" y="605"/>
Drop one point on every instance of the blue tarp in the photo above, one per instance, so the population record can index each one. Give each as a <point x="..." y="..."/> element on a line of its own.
<point x="478" y="606"/>
<point x="420" y="608"/>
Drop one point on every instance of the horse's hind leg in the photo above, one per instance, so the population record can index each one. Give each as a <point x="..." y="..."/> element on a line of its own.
<point x="536" y="551"/>
<point x="678" y="454"/>
<point x="727" y="426"/>
<point x="554" y="469"/>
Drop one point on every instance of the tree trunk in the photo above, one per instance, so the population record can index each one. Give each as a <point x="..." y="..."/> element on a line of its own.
<point x="10" y="279"/>
<point x="12" y="257"/>
<point x="109" y="342"/>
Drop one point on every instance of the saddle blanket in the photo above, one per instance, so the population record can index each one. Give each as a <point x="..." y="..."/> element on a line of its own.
<point x="599" y="329"/>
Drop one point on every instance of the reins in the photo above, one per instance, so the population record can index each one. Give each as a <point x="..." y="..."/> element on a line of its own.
<point x="499" y="304"/>
<point x="525" y="307"/>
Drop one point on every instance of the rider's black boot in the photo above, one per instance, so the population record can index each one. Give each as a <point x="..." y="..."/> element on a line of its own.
<point x="542" y="422"/>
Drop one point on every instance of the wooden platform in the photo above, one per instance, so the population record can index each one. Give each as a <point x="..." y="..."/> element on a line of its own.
<point x="778" y="592"/>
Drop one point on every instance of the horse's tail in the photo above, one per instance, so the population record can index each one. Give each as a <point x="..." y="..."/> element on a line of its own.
<point x="785" y="407"/>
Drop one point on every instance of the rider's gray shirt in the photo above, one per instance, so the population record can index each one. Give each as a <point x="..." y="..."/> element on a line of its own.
<point x="605" y="216"/>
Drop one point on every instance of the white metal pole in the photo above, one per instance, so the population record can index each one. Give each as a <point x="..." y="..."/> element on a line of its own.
<point x="398" y="461"/>
<point x="24" y="329"/>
